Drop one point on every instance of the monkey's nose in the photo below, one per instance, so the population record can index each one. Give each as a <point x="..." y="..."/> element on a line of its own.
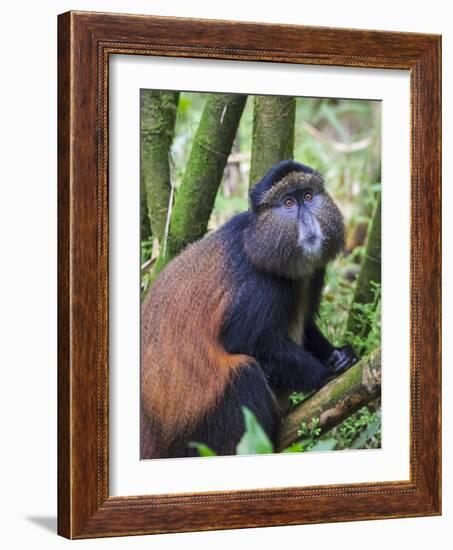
<point x="311" y="238"/>
<point x="308" y="239"/>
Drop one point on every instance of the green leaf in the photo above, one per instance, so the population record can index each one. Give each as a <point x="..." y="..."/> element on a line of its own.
<point x="324" y="445"/>
<point x="297" y="397"/>
<point x="255" y="440"/>
<point x="203" y="450"/>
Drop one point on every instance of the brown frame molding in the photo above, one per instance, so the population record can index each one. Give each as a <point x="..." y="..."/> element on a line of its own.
<point x="85" y="42"/>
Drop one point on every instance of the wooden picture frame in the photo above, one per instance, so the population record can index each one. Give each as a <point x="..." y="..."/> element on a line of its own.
<point x="85" y="42"/>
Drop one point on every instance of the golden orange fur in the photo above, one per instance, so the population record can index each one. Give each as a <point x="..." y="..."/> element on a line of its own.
<point x="184" y="368"/>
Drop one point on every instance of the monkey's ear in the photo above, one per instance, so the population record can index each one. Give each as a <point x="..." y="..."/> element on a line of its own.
<point x="255" y="197"/>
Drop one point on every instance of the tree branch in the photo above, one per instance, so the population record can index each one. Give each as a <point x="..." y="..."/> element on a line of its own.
<point x="157" y="128"/>
<point x="273" y="133"/>
<point x="335" y="401"/>
<point x="209" y="153"/>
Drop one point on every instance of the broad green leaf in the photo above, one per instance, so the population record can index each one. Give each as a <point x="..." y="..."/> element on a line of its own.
<point x="255" y="440"/>
<point x="203" y="450"/>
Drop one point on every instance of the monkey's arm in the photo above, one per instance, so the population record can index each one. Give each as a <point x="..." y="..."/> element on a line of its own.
<point x="316" y="343"/>
<point x="288" y="366"/>
<point x="336" y="359"/>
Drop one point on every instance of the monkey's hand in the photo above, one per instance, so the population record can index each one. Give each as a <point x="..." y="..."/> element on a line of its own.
<point x="341" y="359"/>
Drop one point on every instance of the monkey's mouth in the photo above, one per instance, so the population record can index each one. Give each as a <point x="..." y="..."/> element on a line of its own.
<point x="311" y="245"/>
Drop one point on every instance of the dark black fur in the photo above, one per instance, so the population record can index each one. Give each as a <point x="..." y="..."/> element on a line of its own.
<point x="258" y="319"/>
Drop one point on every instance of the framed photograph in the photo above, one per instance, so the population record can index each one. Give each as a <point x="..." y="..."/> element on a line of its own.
<point x="249" y="275"/>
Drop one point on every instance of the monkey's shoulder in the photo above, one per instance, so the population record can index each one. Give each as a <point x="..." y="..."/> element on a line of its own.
<point x="215" y="247"/>
<point x="195" y="280"/>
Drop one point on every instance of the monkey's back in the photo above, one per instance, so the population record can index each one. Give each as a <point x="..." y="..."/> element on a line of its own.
<point x="184" y="367"/>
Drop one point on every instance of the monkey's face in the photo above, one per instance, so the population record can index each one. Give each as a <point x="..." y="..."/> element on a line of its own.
<point x="298" y="228"/>
<point x="297" y="209"/>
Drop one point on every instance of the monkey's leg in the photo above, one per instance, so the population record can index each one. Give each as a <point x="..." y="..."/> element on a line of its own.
<point x="291" y="367"/>
<point x="222" y="428"/>
<point x="336" y="359"/>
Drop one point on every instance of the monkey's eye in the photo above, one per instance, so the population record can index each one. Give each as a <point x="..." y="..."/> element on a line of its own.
<point x="308" y="196"/>
<point x="289" y="202"/>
